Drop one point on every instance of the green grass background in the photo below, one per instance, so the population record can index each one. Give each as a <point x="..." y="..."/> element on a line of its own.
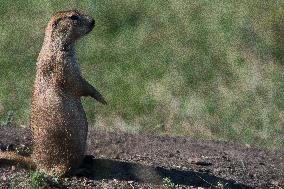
<point x="208" y="69"/>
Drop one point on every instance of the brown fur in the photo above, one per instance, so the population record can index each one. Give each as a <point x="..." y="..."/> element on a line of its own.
<point x="58" y="121"/>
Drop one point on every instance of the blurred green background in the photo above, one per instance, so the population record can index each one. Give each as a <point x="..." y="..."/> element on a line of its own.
<point x="208" y="69"/>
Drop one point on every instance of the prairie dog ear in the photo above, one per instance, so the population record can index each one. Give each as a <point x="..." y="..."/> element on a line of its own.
<point x="56" y="23"/>
<point x="61" y="26"/>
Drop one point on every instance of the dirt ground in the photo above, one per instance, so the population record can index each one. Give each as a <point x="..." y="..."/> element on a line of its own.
<point x="124" y="160"/>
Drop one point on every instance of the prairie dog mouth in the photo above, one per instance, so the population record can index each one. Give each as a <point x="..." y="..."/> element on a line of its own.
<point x="92" y="24"/>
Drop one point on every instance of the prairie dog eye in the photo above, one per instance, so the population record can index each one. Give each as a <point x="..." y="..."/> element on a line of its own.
<point x="74" y="17"/>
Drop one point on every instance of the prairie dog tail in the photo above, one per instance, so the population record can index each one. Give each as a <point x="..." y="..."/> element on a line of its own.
<point x="17" y="159"/>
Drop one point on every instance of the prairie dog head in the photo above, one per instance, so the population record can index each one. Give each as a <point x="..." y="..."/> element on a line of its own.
<point x="67" y="26"/>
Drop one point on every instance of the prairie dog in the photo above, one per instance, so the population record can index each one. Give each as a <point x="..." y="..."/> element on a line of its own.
<point x="58" y="121"/>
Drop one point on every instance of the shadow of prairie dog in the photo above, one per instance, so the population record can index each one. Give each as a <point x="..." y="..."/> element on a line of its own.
<point x="58" y="121"/>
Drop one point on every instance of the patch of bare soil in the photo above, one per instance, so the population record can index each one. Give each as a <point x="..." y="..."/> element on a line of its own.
<point x="124" y="160"/>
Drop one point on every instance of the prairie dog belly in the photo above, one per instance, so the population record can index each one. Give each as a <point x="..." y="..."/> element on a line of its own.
<point x="60" y="135"/>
